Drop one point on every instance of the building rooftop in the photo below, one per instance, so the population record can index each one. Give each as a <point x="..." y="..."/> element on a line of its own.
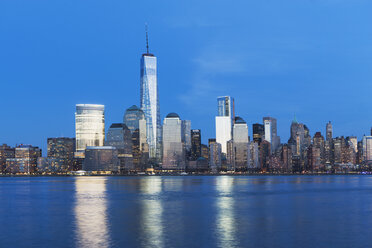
<point x="117" y="125"/>
<point x="101" y="148"/>
<point x="90" y="106"/>
<point x="173" y="115"/>
<point x="133" y="107"/>
<point x="239" y="120"/>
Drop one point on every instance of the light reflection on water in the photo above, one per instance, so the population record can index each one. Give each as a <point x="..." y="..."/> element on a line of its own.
<point x="152" y="212"/>
<point x="223" y="211"/>
<point x="91" y="212"/>
<point x="225" y="219"/>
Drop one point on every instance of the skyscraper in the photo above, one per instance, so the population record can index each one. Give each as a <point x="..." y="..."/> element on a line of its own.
<point x="173" y="148"/>
<point x="271" y="133"/>
<point x="300" y="138"/>
<point x="215" y="159"/>
<point x="226" y="106"/>
<point x="150" y="102"/>
<point x="367" y="149"/>
<point x="318" y="142"/>
<point x="186" y="135"/>
<point x="5" y="152"/>
<point x="224" y="121"/>
<point x="240" y="132"/>
<point x="258" y="133"/>
<point x="195" y="144"/>
<point x="120" y="137"/>
<point x="90" y="126"/>
<point x="354" y="141"/>
<point x="329" y="131"/>
<point x="134" y="119"/>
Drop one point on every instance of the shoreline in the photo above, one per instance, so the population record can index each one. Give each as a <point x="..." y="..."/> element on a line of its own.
<point x="190" y="175"/>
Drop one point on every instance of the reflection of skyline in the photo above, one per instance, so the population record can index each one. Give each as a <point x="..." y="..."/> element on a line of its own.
<point x="91" y="212"/>
<point x="152" y="212"/>
<point x="225" y="219"/>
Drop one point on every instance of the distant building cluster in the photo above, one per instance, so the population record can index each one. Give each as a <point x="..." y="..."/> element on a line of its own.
<point x="141" y="143"/>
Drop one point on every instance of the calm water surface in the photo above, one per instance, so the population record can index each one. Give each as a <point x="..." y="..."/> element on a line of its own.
<point x="191" y="211"/>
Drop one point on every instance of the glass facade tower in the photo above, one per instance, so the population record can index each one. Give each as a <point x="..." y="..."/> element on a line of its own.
<point x="271" y="133"/>
<point x="90" y="126"/>
<point x="226" y="106"/>
<point x="329" y="131"/>
<point x="224" y="121"/>
<point x="173" y="148"/>
<point x="132" y="117"/>
<point x="150" y="103"/>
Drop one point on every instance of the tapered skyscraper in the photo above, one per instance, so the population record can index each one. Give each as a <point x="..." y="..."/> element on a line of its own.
<point x="150" y="102"/>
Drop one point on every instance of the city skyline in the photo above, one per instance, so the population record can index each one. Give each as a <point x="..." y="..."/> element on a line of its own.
<point x="187" y="77"/>
<point x="210" y="123"/>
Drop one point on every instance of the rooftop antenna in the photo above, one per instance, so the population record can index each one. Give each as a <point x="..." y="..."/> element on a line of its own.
<point x="147" y="39"/>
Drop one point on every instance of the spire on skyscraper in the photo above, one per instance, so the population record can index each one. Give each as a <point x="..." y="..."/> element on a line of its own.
<point x="147" y="39"/>
<point x="294" y="119"/>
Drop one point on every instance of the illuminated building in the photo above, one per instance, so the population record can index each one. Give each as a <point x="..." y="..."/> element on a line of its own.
<point x="101" y="159"/>
<point x="90" y="127"/>
<point x="173" y="149"/>
<point x="195" y="144"/>
<point x="150" y="103"/>
<point x="61" y="152"/>
<point x="224" y="121"/>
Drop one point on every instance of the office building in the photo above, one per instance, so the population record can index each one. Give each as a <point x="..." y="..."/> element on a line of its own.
<point x="226" y="106"/>
<point x="61" y="153"/>
<point x="228" y="159"/>
<point x="329" y="131"/>
<point x="186" y="135"/>
<point x="150" y="103"/>
<point x="101" y="159"/>
<point x="90" y="127"/>
<point x="265" y="151"/>
<point x="205" y="151"/>
<point x="253" y="156"/>
<point x="210" y="142"/>
<point x="134" y="119"/>
<point x="286" y="158"/>
<point x="241" y="151"/>
<point x="300" y="138"/>
<point x="258" y="133"/>
<point x="367" y="149"/>
<point x="195" y="144"/>
<point x="354" y="142"/>
<point x="215" y="158"/>
<point x="120" y="137"/>
<point x="51" y="165"/>
<point x="319" y="142"/>
<point x="314" y="161"/>
<point x="24" y="161"/>
<point x="271" y="135"/>
<point x="173" y="148"/>
<point x="5" y="153"/>
<point x="224" y="121"/>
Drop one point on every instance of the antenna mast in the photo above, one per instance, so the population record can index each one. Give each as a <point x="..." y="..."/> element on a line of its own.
<point x="147" y="39"/>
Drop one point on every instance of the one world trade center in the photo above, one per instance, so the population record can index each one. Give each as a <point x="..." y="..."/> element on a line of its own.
<point x="150" y="102"/>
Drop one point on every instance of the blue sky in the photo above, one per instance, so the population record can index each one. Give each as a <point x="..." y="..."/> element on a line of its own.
<point x="312" y="58"/>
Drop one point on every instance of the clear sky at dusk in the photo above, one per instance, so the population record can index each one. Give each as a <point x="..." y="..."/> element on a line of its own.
<point x="312" y="58"/>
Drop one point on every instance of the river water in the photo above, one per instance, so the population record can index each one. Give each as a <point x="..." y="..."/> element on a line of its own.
<point x="186" y="211"/>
